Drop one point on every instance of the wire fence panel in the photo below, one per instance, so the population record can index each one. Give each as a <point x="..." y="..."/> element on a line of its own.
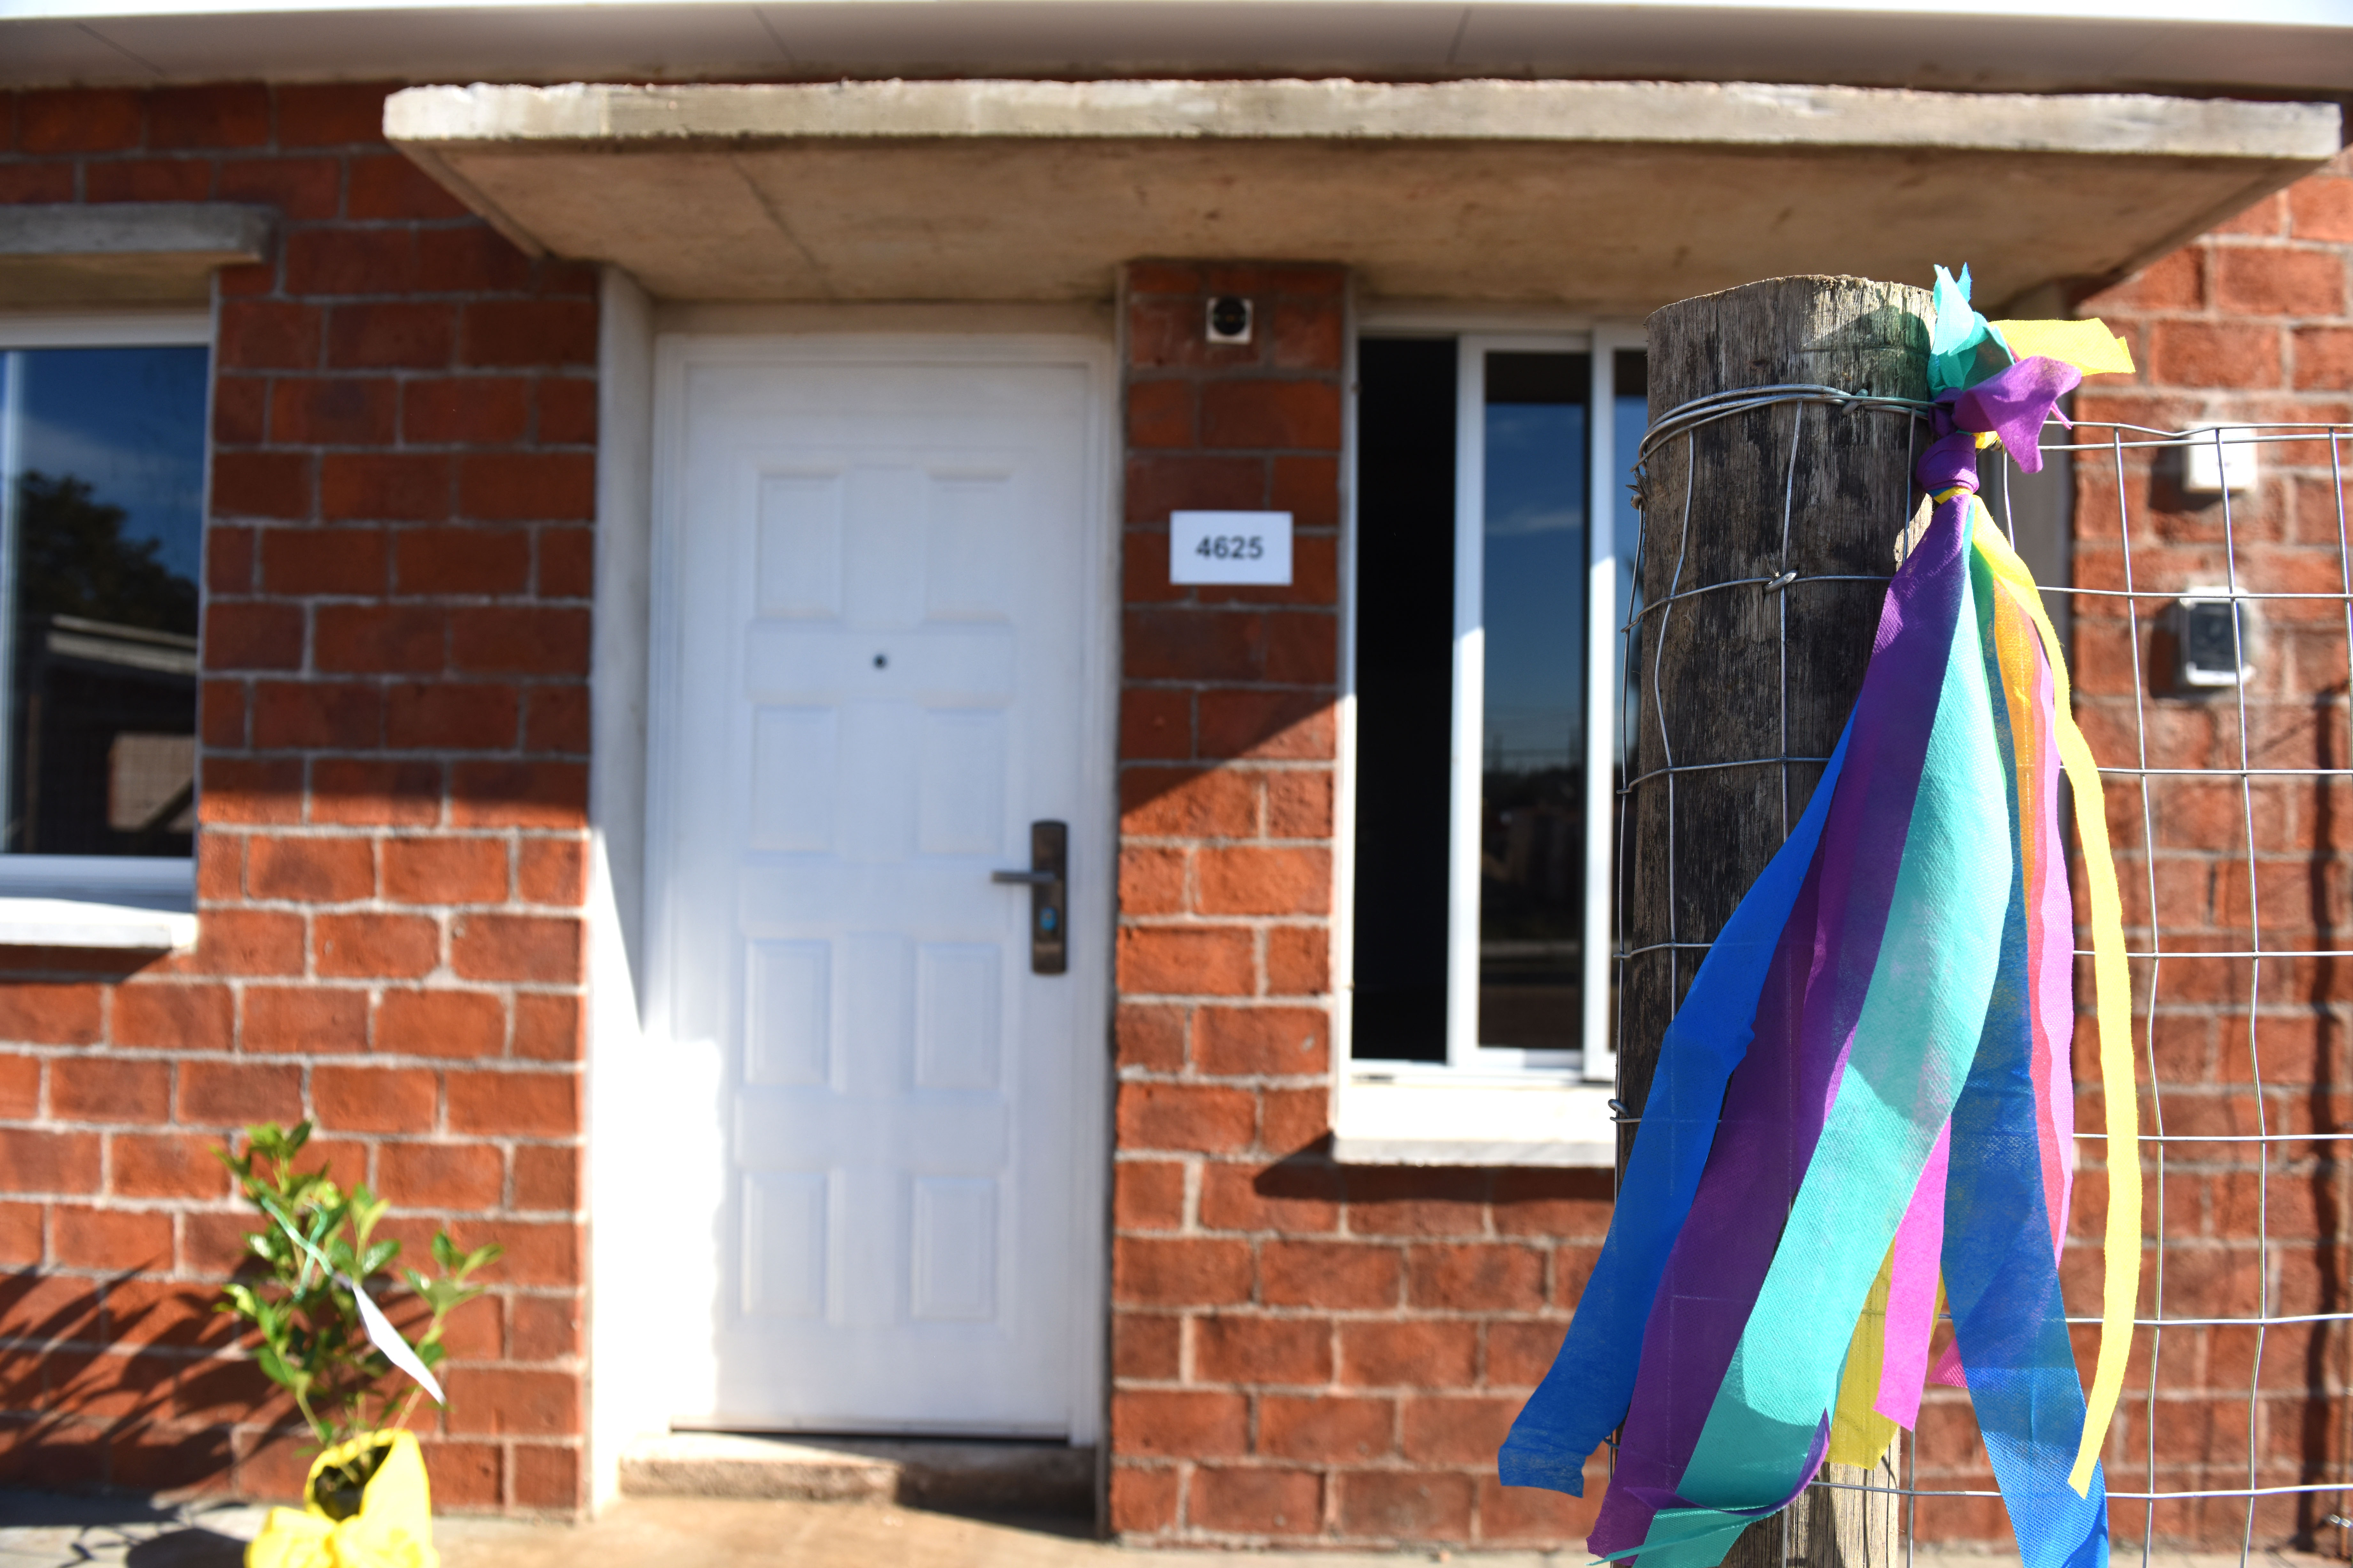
<point x="2212" y="634"/>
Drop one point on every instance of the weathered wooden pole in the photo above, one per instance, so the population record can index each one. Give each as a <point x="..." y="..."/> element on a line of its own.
<point x="1735" y="678"/>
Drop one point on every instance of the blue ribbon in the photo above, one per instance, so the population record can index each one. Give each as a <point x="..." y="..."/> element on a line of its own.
<point x="1584" y="1397"/>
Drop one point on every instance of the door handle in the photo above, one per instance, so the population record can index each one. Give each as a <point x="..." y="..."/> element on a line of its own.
<point x="1047" y="880"/>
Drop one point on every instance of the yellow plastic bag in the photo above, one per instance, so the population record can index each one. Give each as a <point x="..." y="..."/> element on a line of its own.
<point x="393" y="1528"/>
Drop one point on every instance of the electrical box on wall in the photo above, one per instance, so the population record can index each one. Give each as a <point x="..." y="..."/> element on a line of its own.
<point x="2212" y="641"/>
<point x="2214" y="461"/>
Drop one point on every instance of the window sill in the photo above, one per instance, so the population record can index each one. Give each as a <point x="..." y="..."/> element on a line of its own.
<point x="112" y="902"/>
<point x="1446" y="1118"/>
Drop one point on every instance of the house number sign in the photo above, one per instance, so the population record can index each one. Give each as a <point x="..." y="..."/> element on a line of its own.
<point x="1229" y="547"/>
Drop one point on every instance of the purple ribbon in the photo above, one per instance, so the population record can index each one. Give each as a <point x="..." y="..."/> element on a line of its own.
<point x="1949" y="463"/>
<point x="2012" y="405"/>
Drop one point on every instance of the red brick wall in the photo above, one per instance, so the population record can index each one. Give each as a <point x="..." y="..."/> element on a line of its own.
<point x="2251" y="324"/>
<point x="391" y="855"/>
<point x="1302" y="1353"/>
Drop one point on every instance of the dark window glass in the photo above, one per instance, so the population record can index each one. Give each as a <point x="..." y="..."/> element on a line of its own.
<point x="1532" y="761"/>
<point x="1404" y="656"/>
<point x="101" y="528"/>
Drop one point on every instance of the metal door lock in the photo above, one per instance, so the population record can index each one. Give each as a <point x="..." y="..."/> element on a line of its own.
<point x="1047" y="880"/>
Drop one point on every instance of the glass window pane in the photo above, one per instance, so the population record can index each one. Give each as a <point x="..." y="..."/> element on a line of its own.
<point x="1405" y="695"/>
<point x="101" y="529"/>
<point x="1532" y="848"/>
<point x="1630" y="376"/>
<point x="1630" y="419"/>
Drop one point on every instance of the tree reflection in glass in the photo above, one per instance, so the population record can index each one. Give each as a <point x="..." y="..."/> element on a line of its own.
<point x="101" y="510"/>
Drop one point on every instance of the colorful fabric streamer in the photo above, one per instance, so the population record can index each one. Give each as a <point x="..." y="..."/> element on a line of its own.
<point x="1864" y="1109"/>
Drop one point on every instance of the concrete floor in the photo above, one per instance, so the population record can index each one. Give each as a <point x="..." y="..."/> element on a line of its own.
<point x="43" y="1532"/>
<point x="39" y="1531"/>
<point x="675" y="1531"/>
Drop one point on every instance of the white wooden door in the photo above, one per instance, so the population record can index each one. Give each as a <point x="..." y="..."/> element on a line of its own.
<point x="884" y="578"/>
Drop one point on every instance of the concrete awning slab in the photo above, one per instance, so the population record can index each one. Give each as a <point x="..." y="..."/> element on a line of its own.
<point x="76" y="253"/>
<point x="1612" y="197"/>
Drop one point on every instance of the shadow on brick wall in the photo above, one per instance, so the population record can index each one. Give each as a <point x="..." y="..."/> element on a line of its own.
<point x="2319" y="1437"/>
<point x="113" y="1386"/>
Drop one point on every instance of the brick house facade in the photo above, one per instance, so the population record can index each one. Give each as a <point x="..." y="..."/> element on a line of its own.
<point x="1301" y="1350"/>
<point x="393" y="859"/>
<point x="1350" y="1344"/>
<point x="2249" y="323"/>
<point x="391" y="856"/>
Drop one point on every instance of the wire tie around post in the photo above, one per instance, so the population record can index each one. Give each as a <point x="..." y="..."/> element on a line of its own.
<point x="1783" y="581"/>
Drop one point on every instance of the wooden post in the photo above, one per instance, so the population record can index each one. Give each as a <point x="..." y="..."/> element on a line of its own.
<point x="1733" y="678"/>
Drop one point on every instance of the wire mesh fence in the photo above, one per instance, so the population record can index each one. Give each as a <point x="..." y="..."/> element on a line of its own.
<point x="2210" y="618"/>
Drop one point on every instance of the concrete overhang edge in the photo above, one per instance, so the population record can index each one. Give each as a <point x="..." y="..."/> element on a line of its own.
<point x="755" y="191"/>
<point x="216" y="232"/>
<point x="73" y="254"/>
<point x="1720" y="113"/>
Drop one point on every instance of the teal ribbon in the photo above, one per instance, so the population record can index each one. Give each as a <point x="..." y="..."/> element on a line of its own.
<point x="1921" y="1019"/>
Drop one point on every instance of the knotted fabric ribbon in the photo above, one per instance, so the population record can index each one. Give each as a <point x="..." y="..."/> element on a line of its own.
<point x="1867" y="1087"/>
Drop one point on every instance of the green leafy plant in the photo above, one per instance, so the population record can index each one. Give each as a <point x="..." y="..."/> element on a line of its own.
<point x="294" y="1293"/>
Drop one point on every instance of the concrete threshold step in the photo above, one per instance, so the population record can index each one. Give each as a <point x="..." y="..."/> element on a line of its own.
<point x="994" y="1477"/>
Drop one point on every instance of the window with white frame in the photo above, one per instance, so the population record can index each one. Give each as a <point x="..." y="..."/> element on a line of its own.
<point x="1485" y="689"/>
<point x="103" y="454"/>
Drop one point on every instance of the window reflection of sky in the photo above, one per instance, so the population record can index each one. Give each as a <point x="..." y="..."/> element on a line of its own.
<point x="131" y="422"/>
<point x="1630" y="417"/>
<point x="1534" y="584"/>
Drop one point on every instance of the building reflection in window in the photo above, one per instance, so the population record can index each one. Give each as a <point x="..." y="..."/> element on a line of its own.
<point x="1532" y="808"/>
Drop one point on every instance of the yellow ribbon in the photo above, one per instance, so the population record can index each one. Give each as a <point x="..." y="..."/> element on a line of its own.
<point x="1859" y="1433"/>
<point x="2088" y="345"/>
<point x="2111" y="996"/>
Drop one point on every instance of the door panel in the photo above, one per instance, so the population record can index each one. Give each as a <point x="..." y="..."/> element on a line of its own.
<point x="882" y="610"/>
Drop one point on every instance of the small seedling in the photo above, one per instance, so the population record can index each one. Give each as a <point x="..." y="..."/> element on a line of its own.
<point x="316" y="1244"/>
